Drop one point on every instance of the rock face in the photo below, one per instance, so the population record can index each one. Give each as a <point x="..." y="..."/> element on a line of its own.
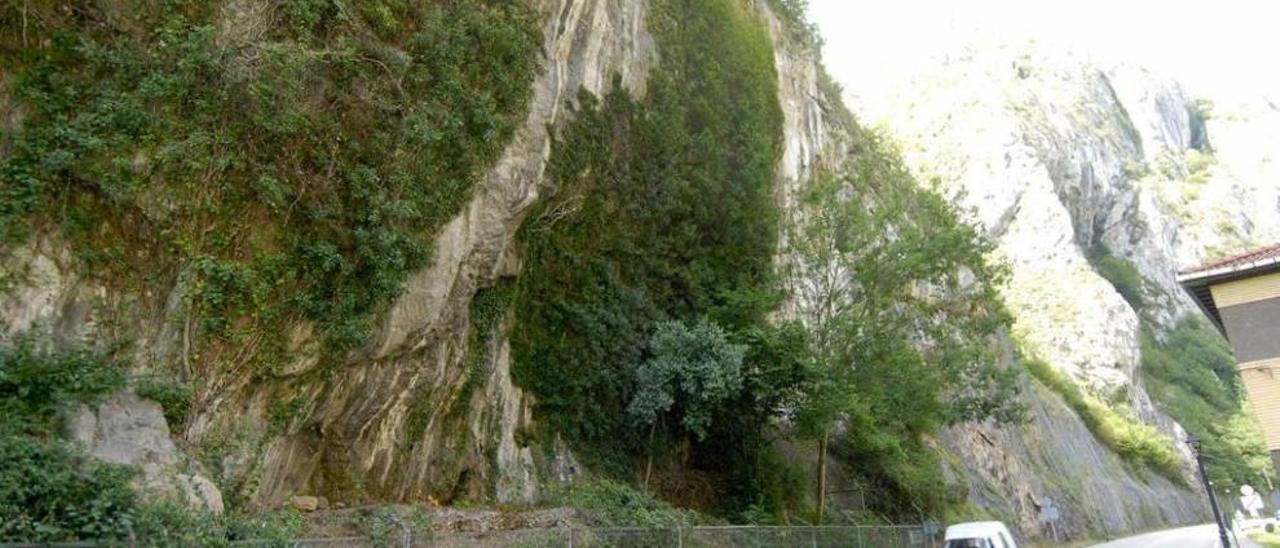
<point x="127" y="429"/>
<point x="355" y="438"/>
<point x="395" y="423"/>
<point x="1057" y="159"/>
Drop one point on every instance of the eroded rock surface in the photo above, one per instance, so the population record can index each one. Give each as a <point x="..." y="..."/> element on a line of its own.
<point x="127" y="429"/>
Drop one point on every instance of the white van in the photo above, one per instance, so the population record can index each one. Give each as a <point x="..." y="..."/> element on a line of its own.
<point x="978" y="534"/>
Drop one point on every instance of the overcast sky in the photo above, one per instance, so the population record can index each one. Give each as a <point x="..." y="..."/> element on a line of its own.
<point x="1209" y="45"/>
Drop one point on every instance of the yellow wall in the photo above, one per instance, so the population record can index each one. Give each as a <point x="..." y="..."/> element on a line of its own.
<point x="1262" y="377"/>
<point x="1246" y="291"/>
<point x="1262" y="382"/>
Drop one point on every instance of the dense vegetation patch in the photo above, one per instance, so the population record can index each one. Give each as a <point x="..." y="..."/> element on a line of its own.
<point x="50" y="490"/>
<point x="1135" y="442"/>
<point x="607" y="503"/>
<point x="663" y="215"/>
<point x="294" y="160"/>
<point x="899" y="302"/>
<point x="1191" y="374"/>
<point x="641" y="317"/>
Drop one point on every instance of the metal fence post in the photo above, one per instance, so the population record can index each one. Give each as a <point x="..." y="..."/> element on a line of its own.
<point x="570" y="537"/>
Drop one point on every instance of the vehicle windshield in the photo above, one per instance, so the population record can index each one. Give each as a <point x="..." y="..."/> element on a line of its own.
<point x="967" y="543"/>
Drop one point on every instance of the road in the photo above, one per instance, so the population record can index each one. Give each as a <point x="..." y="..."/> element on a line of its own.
<point x="1199" y="536"/>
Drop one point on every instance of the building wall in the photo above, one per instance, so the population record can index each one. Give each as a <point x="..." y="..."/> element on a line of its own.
<point x="1250" y="310"/>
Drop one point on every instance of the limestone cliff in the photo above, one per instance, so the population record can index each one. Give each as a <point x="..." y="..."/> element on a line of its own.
<point x="1058" y="158"/>
<point x="345" y="435"/>
<point x="1055" y="160"/>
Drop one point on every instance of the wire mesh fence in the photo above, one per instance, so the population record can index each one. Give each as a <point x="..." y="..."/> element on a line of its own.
<point x="860" y="536"/>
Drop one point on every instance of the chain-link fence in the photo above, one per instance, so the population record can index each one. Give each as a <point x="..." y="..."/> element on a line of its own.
<point x="868" y="536"/>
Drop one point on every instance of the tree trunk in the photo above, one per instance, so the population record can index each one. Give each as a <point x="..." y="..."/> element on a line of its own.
<point x="648" y="468"/>
<point x="822" y="476"/>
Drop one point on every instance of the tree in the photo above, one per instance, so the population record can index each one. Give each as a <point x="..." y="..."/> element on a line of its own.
<point x="691" y="371"/>
<point x="899" y="303"/>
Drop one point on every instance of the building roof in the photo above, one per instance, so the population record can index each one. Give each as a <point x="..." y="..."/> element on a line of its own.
<point x="1251" y="263"/>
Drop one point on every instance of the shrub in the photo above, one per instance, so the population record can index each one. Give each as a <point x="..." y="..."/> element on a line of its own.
<point x="693" y="370"/>
<point x="49" y="490"/>
<point x="607" y="503"/>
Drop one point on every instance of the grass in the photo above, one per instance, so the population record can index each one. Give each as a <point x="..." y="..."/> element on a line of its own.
<point x="1133" y="441"/>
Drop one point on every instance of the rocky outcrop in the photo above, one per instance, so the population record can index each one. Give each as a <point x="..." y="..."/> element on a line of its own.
<point x="127" y="429"/>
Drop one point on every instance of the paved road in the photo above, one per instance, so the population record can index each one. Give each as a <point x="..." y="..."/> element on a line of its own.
<point x="1200" y="536"/>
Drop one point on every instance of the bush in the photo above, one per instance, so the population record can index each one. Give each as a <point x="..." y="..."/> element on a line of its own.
<point x="693" y="370"/>
<point x="49" y="489"/>
<point x="167" y="523"/>
<point x="607" y="503"/>
<point x="50" y="492"/>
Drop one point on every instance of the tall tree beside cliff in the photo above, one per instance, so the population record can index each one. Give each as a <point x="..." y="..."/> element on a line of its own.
<point x="897" y="296"/>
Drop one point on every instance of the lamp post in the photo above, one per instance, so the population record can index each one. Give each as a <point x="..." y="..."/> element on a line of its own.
<point x="1194" y="442"/>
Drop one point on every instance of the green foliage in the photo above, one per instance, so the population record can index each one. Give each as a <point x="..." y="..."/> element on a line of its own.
<point x="298" y="175"/>
<point x="899" y="302"/>
<point x="282" y="412"/>
<point x="1199" y="165"/>
<point x="487" y="308"/>
<point x="49" y="490"/>
<point x="167" y="523"/>
<point x="38" y="385"/>
<point x="606" y="503"/>
<point x="174" y="398"/>
<point x="1121" y="273"/>
<point x="693" y="369"/>
<point x="1134" y="441"/>
<point x="663" y="212"/>
<point x="793" y="15"/>
<point x="1191" y="374"/>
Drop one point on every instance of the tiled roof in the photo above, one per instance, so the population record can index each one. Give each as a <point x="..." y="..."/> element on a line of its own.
<point x="1241" y="259"/>
<point x="1197" y="281"/>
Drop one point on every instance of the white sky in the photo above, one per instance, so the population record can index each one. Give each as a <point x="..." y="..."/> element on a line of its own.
<point x="1210" y="45"/>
